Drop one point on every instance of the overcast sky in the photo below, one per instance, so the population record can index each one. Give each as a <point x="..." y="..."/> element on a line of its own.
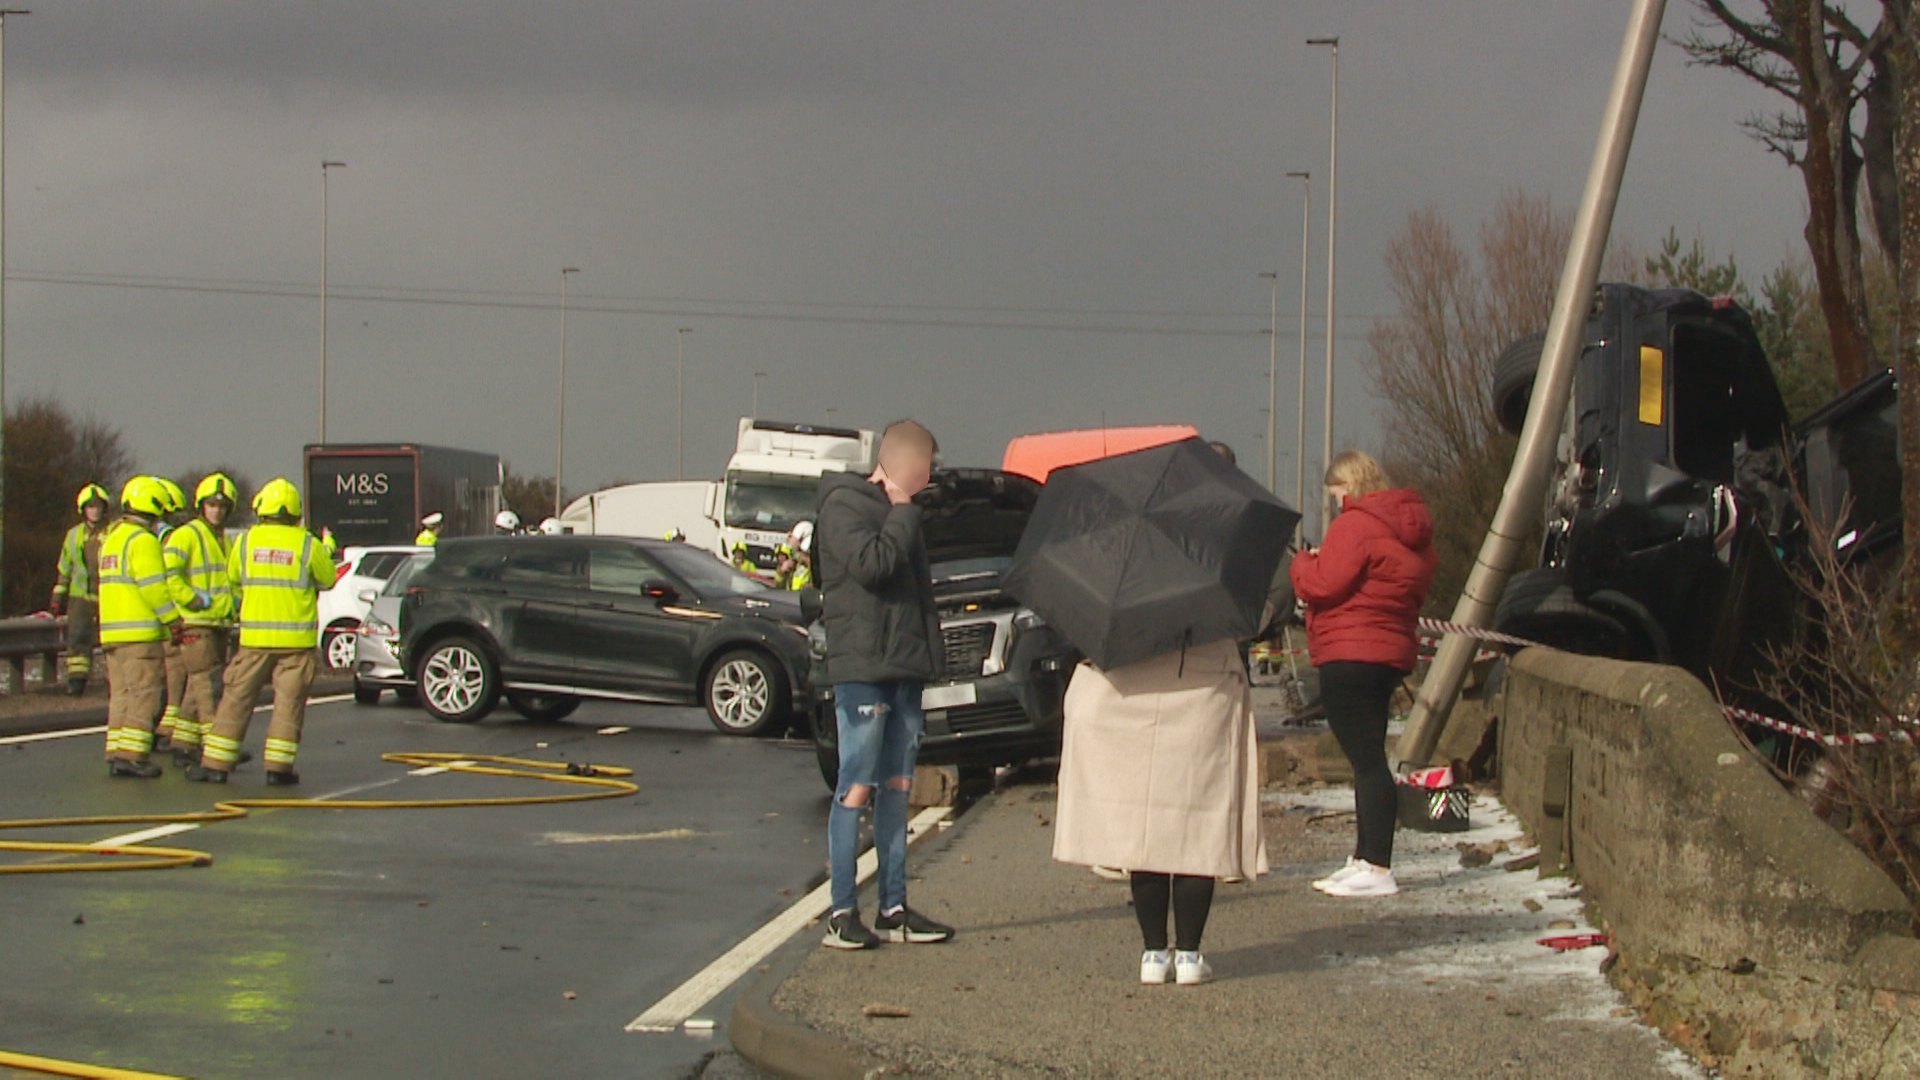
<point x="999" y="217"/>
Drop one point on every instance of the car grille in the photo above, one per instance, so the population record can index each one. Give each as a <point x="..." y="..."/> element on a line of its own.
<point x="969" y="719"/>
<point x="967" y="646"/>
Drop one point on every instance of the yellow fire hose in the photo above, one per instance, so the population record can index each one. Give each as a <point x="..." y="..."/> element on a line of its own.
<point x="604" y="782"/>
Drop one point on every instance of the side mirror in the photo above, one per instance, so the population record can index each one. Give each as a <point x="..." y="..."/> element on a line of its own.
<point x="366" y="596"/>
<point x="656" y="589"/>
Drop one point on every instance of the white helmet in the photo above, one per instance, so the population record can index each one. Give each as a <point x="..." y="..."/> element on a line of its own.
<point x="506" y="521"/>
<point x="800" y="537"/>
<point x="433" y="520"/>
<point x="551" y="527"/>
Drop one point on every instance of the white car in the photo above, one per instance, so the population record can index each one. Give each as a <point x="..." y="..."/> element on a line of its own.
<point x="341" y="609"/>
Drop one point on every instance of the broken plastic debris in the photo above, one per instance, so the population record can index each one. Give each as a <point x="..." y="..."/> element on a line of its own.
<point x="616" y="730"/>
<point x="880" y="1011"/>
<point x="1569" y="942"/>
<point x="699" y="1023"/>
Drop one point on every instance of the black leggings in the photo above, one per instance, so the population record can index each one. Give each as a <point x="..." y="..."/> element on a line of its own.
<point x="1192" y="899"/>
<point x="1358" y="698"/>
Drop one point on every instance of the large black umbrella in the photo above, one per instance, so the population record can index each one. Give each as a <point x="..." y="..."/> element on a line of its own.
<point x="1141" y="554"/>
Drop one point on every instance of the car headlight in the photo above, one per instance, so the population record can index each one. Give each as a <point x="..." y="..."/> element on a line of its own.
<point x="378" y="628"/>
<point x="1029" y="620"/>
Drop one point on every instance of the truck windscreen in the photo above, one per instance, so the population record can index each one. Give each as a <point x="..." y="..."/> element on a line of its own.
<point x="768" y="502"/>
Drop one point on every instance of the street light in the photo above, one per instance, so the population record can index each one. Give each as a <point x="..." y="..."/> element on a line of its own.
<point x="560" y="438"/>
<point x="3" y="203"/>
<point x="324" y="167"/>
<point x="1273" y="378"/>
<point x="757" y="376"/>
<point x="680" y="402"/>
<point x="1333" y="280"/>
<point x="1300" y="430"/>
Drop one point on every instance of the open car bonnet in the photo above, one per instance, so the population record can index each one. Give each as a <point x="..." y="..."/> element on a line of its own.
<point x="975" y="513"/>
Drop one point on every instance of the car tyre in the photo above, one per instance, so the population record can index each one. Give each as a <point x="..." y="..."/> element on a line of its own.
<point x="745" y="693"/>
<point x="1513" y="372"/>
<point x="541" y="706"/>
<point x="338" y="645"/>
<point x="1538" y="605"/>
<point x="459" y="682"/>
<point x="364" y="694"/>
<point x="826" y="748"/>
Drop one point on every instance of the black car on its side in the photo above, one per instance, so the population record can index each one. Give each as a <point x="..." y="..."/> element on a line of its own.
<point x="1007" y="670"/>
<point x="548" y="620"/>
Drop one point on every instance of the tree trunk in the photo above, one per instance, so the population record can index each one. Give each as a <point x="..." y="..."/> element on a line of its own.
<point x="1831" y="172"/>
<point x="1906" y="49"/>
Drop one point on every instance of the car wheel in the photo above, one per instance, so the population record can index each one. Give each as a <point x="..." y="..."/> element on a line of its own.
<point x="826" y="749"/>
<point x="339" y="643"/>
<point x="459" y="682"/>
<point x="1539" y="606"/>
<point x="364" y="694"/>
<point x="1513" y="372"/>
<point x="542" y="706"/>
<point x="745" y="693"/>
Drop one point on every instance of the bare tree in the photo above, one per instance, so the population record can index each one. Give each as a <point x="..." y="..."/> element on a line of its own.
<point x="50" y="454"/>
<point x="1904" y="52"/>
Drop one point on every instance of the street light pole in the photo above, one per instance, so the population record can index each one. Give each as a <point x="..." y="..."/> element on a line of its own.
<point x="1333" y="280"/>
<point x="757" y="376"/>
<point x="560" y="438"/>
<point x="680" y="402"/>
<point x="324" y="166"/>
<point x="1273" y="379"/>
<point x="1300" y="429"/>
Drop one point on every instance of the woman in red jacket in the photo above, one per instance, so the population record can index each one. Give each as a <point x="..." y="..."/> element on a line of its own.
<point x="1364" y="587"/>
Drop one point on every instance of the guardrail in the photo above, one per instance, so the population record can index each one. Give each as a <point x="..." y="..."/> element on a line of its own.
<point x="27" y="637"/>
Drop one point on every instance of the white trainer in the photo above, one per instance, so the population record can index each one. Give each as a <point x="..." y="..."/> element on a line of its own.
<point x="1341" y="874"/>
<point x="1191" y="969"/>
<point x="1368" y="880"/>
<point x="1156" y="967"/>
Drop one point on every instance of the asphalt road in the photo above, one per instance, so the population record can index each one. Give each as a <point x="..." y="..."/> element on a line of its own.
<point x="438" y="942"/>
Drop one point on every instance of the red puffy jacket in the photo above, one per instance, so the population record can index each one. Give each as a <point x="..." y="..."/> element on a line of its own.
<point x="1365" y="586"/>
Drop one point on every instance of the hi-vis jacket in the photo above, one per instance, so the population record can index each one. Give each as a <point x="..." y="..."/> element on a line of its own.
<point x="138" y="598"/>
<point x="75" y="569"/>
<point x="197" y="552"/>
<point x="277" y="572"/>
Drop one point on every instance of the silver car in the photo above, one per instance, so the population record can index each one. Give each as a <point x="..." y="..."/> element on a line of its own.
<point x="375" y="668"/>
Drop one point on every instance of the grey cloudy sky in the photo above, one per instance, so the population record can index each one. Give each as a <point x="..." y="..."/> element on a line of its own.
<point x="999" y="216"/>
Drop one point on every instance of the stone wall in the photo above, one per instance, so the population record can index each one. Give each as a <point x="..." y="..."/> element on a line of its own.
<point x="1746" y="929"/>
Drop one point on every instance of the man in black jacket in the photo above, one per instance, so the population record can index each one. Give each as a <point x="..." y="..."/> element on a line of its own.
<point x="883" y="645"/>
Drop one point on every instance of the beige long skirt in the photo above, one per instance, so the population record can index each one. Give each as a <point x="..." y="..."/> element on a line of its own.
<point x="1157" y="770"/>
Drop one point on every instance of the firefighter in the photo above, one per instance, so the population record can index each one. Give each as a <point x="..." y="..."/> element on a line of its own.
<point x="276" y="571"/>
<point x="429" y="529"/>
<point x="743" y="559"/>
<point x="175" y="502"/>
<point x="197" y="551"/>
<point x="140" y="611"/>
<point x="75" y="591"/>
<point x="676" y="536"/>
<point x="506" y="523"/>
<point x="796" y="558"/>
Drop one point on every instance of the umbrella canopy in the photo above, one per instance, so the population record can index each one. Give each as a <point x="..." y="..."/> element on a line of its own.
<point x="1141" y="554"/>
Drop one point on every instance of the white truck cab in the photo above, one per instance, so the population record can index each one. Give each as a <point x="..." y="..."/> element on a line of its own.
<point x="772" y="479"/>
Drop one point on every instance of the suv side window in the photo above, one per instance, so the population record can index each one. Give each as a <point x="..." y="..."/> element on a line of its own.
<point x="554" y="566"/>
<point x="380" y="565"/>
<point x="620" y="570"/>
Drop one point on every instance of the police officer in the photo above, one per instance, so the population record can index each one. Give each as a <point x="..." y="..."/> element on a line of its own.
<point x="506" y="523"/>
<point x="276" y="571"/>
<point x="429" y="530"/>
<point x="74" y="590"/>
<point x="197" y="551"/>
<point x="140" y="612"/>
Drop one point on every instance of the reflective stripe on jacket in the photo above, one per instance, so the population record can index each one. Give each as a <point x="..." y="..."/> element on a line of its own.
<point x="198" y="553"/>
<point x="76" y="571"/>
<point x="277" y="572"/>
<point x="138" y="598"/>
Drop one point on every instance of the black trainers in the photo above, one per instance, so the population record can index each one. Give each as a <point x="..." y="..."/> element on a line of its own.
<point x="282" y="779"/>
<point x="139" y="770"/>
<point x="908" y="925"/>
<point x="200" y="774"/>
<point x="846" y="931"/>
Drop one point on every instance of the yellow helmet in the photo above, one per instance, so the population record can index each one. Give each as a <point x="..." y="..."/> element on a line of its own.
<point x="144" y="495"/>
<point x="91" y="493"/>
<point x="279" y="497"/>
<point x="216" y="486"/>
<point x="176" y="499"/>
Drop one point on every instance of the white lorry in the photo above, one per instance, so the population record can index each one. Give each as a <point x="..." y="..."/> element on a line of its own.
<point x="773" y="477"/>
<point x="648" y="510"/>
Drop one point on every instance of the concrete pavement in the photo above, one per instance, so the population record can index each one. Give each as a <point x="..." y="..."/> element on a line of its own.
<point x="1444" y="979"/>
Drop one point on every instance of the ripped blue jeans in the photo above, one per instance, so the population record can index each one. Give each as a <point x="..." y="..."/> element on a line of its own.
<point x="880" y="727"/>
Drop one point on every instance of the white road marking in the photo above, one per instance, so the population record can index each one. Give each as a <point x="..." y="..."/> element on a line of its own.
<point x="615" y="838"/>
<point x="691" y="996"/>
<point x="436" y="770"/>
<point x="145" y="835"/>
<point x="615" y="730"/>
<point x="101" y="729"/>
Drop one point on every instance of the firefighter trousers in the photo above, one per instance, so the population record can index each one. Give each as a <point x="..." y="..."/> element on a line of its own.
<point x="291" y="673"/>
<point x="136" y="679"/>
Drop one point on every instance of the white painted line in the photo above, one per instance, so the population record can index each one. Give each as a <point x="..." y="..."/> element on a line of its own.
<point x="101" y="729"/>
<point x="693" y="995"/>
<point x="436" y="770"/>
<point x="145" y="835"/>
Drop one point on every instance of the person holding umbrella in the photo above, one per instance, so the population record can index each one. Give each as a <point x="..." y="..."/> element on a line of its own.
<point x="1156" y="564"/>
<point x="1364" y="588"/>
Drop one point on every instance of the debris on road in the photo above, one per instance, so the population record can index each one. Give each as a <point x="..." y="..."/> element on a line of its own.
<point x="878" y="1011"/>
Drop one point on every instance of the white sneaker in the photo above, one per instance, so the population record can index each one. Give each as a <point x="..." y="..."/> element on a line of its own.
<point x="1191" y="969"/>
<point x="1341" y="874"/>
<point x="1367" y="880"/>
<point x="1156" y="967"/>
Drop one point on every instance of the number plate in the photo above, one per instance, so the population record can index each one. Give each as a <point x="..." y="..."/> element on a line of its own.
<point x="947" y="697"/>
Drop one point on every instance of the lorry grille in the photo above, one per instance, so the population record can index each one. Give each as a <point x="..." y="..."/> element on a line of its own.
<point x="967" y="646"/>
